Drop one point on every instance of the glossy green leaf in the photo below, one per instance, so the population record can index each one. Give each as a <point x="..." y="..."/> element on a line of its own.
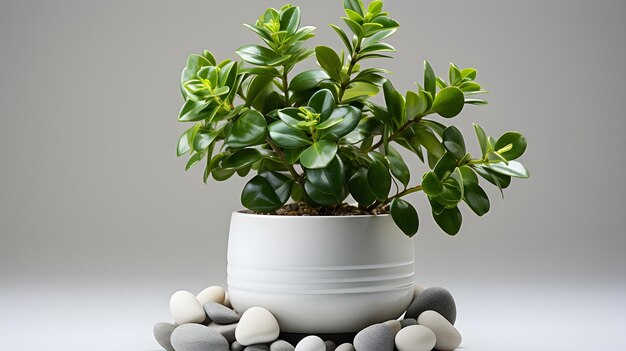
<point x="290" y="19"/>
<point x="203" y="139"/>
<point x="431" y="184"/>
<point x="242" y="158"/>
<point x="249" y="129"/>
<point x="184" y="142"/>
<point x="451" y="194"/>
<point x="427" y="138"/>
<point x="482" y="139"/>
<point x="194" y="160"/>
<point x="500" y="180"/>
<point x="329" y="179"/>
<point x="469" y="176"/>
<point x="449" y="102"/>
<point x="360" y="189"/>
<point x="379" y="179"/>
<point x="354" y="27"/>
<point x="308" y="80"/>
<point x="398" y="167"/>
<point x="449" y="220"/>
<point x="513" y="169"/>
<point x="476" y="198"/>
<point x="354" y="5"/>
<point x="511" y="145"/>
<point x="405" y="216"/>
<point x="454" y="74"/>
<point x="415" y="104"/>
<point x="323" y="102"/>
<point x="319" y="154"/>
<point x="430" y="81"/>
<point x="287" y="137"/>
<point x="395" y="103"/>
<point x="292" y="155"/>
<point x="261" y="56"/>
<point x="359" y="90"/>
<point x="375" y="7"/>
<point x="446" y="163"/>
<point x="343" y="37"/>
<point x="258" y="84"/>
<point x="329" y="61"/>
<point x="193" y="111"/>
<point x="350" y="117"/>
<point x="453" y="142"/>
<point x="265" y="193"/>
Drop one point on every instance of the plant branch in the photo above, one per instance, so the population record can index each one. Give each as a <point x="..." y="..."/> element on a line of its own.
<point x="403" y="193"/>
<point x="281" y="155"/>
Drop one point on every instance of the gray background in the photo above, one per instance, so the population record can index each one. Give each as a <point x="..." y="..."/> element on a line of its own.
<point x="99" y="223"/>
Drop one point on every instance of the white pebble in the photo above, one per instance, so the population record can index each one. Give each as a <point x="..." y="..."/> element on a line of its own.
<point x="212" y="293"/>
<point x="257" y="326"/>
<point x="311" y="343"/>
<point x="415" y="338"/>
<point x="448" y="337"/>
<point x="185" y="308"/>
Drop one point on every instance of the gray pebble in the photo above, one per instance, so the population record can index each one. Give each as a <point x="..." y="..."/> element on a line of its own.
<point x="408" y="321"/>
<point x="221" y="314"/>
<point x="281" y="345"/>
<point x="345" y="347"/>
<point x="227" y="330"/>
<point x="197" y="337"/>
<point x="257" y="347"/>
<point x="377" y="337"/>
<point x="162" y="333"/>
<point x="436" y="299"/>
<point x="235" y="346"/>
<point x="394" y="325"/>
<point x="330" y="345"/>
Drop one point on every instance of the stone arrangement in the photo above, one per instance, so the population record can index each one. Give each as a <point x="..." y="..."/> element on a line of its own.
<point x="207" y="322"/>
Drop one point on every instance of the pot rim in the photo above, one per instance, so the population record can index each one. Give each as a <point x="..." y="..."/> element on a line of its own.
<point x="245" y="213"/>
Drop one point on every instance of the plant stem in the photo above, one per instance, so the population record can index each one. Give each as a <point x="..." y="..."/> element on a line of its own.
<point x="281" y="155"/>
<point x="353" y="61"/>
<point x="403" y="193"/>
<point x="285" y="86"/>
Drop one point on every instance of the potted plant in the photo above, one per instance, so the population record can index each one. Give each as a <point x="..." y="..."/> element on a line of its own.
<point x="317" y="137"/>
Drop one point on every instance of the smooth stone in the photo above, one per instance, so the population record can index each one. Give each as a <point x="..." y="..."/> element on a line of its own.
<point x="345" y="347"/>
<point x="227" y="300"/>
<point x="281" y="345"/>
<point x="407" y="322"/>
<point x="257" y="347"/>
<point x="394" y="325"/>
<point x="415" y="338"/>
<point x="235" y="346"/>
<point x="212" y="293"/>
<point x="330" y="345"/>
<point x="185" y="308"/>
<point x="162" y="334"/>
<point x="257" y="326"/>
<point x="221" y="314"/>
<point x="435" y="299"/>
<point x="294" y="338"/>
<point x="227" y="330"/>
<point x="448" y="337"/>
<point x="377" y="337"/>
<point x="311" y="343"/>
<point x="196" y="337"/>
<point x="417" y="291"/>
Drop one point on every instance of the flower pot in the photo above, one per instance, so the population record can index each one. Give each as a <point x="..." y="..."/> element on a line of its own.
<point x="320" y="274"/>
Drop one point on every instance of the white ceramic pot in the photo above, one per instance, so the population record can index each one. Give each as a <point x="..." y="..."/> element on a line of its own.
<point x="320" y="274"/>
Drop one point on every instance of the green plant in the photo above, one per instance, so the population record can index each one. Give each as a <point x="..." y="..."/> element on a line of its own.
<point x="318" y="137"/>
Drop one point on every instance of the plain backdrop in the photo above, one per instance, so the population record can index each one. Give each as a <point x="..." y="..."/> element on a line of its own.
<point x="99" y="223"/>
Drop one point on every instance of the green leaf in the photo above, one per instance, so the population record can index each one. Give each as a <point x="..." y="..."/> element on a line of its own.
<point x="360" y="189"/>
<point x="430" y="81"/>
<point x="343" y="37"/>
<point x="330" y="179"/>
<point x="193" y="111"/>
<point x="449" y="102"/>
<point x="350" y="117"/>
<point x="379" y="179"/>
<point x="261" y="56"/>
<point x="291" y="116"/>
<point x="193" y="160"/>
<point x="405" y="216"/>
<point x="359" y="90"/>
<point x="184" y="142"/>
<point x="452" y="193"/>
<point x="242" y="158"/>
<point x="476" y="198"/>
<point x="446" y="163"/>
<point x="354" y="27"/>
<point x="416" y="104"/>
<point x="266" y="193"/>
<point x="431" y="184"/>
<point x="398" y="167"/>
<point x="354" y="5"/>
<point x="323" y="102"/>
<point x="330" y="61"/>
<point x="287" y="137"/>
<point x="258" y="84"/>
<point x="449" y="220"/>
<point x="290" y="19"/>
<point x="469" y="176"/>
<point x="395" y="103"/>
<point x="454" y="75"/>
<point x="482" y="139"/>
<point x="203" y="139"/>
<point x="500" y="180"/>
<point x="513" y="169"/>
<point x="469" y="73"/>
<point x="453" y="142"/>
<point x="475" y="102"/>
<point x="319" y="154"/>
<point x="511" y="145"/>
<point x="308" y="79"/>
<point x="249" y="129"/>
<point x="292" y="155"/>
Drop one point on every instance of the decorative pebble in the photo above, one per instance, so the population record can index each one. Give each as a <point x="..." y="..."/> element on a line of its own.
<point x="377" y="337"/>
<point x="415" y="338"/>
<point x="394" y="325"/>
<point x="435" y="299"/>
<point x="448" y="337"/>
<point x="330" y="345"/>
<point x="221" y="314"/>
<point x="311" y="343"/>
<point x="235" y="346"/>
<point x="256" y="326"/>
<point x="227" y="331"/>
<point x="281" y="345"/>
<point x="162" y="334"/>
<point x="345" y="347"/>
<point x="185" y="308"/>
<point x="417" y="291"/>
<point x="196" y="337"/>
<point x="408" y="321"/>
<point x="257" y="347"/>
<point x="212" y="293"/>
<point x="227" y="300"/>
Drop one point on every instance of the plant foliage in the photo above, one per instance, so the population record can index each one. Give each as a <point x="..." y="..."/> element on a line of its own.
<point x="317" y="136"/>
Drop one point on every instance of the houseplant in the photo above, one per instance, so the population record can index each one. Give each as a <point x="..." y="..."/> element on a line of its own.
<point x="317" y="137"/>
